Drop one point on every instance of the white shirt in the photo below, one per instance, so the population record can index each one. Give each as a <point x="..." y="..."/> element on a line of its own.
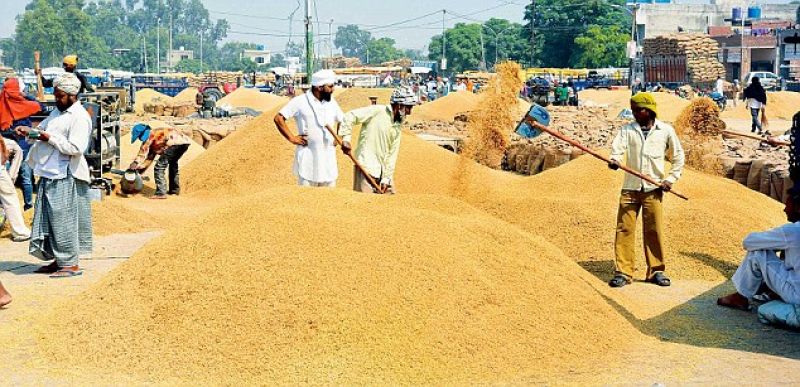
<point x="70" y="132"/>
<point x="786" y="238"/>
<point x="461" y="87"/>
<point x="753" y="103"/>
<point x="720" y="86"/>
<point x="647" y="155"/>
<point x="315" y="162"/>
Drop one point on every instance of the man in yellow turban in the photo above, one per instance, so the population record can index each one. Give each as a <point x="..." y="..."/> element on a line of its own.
<point x="643" y="145"/>
<point x="69" y="64"/>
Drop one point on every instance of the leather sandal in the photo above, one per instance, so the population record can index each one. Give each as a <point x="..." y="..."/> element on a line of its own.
<point x="619" y="281"/>
<point x="659" y="279"/>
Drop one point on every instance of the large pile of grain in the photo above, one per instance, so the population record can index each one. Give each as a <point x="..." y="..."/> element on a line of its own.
<point x="781" y="105"/>
<point x="440" y="293"/>
<point x="562" y="204"/>
<point x="446" y="108"/>
<point x="356" y="97"/>
<point x="253" y="99"/>
<point x="700" y="50"/>
<point x="149" y="96"/>
<point x="497" y="113"/>
<point x="188" y="94"/>
<point x="669" y="105"/>
<point x="700" y="119"/>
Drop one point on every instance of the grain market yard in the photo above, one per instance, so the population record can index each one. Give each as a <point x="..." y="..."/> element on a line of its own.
<point x="482" y="276"/>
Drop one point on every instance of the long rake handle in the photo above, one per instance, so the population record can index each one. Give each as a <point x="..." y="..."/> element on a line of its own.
<point x="752" y="137"/>
<point x="358" y="165"/>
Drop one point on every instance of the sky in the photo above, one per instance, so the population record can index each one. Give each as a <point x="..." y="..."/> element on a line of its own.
<point x="411" y="23"/>
<point x="249" y="18"/>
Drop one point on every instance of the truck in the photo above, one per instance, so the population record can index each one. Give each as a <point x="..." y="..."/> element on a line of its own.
<point x="596" y="80"/>
<point x="668" y="70"/>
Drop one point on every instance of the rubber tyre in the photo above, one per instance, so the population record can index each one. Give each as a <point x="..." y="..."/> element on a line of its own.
<point x="214" y="94"/>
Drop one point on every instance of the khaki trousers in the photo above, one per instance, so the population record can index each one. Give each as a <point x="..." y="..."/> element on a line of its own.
<point x="630" y="202"/>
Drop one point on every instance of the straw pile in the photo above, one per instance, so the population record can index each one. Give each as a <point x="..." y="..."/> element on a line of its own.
<point x="461" y="297"/>
<point x="489" y="127"/>
<point x="700" y="119"/>
<point x="253" y="99"/>
<point x="700" y="50"/>
<point x="446" y="108"/>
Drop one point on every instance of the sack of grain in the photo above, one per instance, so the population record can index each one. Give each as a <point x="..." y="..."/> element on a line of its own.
<point x="553" y="158"/>
<point x="776" y="185"/>
<point x="158" y="109"/>
<point x="536" y="161"/>
<point x="727" y="164"/>
<point x="741" y="170"/>
<point x="522" y="163"/>
<point x="754" y="176"/>
<point x="575" y="154"/>
<point x="787" y="185"/>
<point x="766" y="172"/>
<point x="511" y="158"/>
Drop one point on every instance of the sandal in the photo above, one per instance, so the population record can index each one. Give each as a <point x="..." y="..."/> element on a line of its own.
<point x="619" y="281"/>
<point x="66" y="273"/>
<point x="659" y="279"/>
<point x="49" y="269"/>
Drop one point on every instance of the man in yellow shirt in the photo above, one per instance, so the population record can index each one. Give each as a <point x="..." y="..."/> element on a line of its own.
<point x="379" y="140"/>
<point x="643" y="144"/>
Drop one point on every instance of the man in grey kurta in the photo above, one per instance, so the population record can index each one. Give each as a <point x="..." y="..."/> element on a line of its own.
<point x="62" y="221"/>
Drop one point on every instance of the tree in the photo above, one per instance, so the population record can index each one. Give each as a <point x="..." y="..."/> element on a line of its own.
<point x="504" y="40"/>
<point x="295" y="50"/>
<point x="463" y="50"/>
<point x="277" y="60"/>
<point x="558" y="22"/>
<point x="188" y="66"/>
<point x="414" y="54"/>
<point x="601" y="47"/>
<point x="382" y="50"/>
<point x="353" y="41"/>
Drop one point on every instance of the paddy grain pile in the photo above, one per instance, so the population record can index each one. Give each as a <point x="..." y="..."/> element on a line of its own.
<point x="489" y="126"/>
<point x="188" y="94"/>
<point x="447" y="107"/>
<point x="460" y="298"/>
<point x="356" y="97"/>
<point x="149" y="96"/>
<point x="699" y="127"/>
<point x="780" y="104"/>
<point x="669" y="105"/>
<point x="253" y="99"/>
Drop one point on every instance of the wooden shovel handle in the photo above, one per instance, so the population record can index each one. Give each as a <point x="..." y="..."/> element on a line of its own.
<point x="584" y="148"/>
<point x="752" y="137"/>
<point x="358" y="165"/>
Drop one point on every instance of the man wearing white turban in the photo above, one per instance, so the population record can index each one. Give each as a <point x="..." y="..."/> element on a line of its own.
<point x="62" y="220"/>
<point x="315" y="155"/>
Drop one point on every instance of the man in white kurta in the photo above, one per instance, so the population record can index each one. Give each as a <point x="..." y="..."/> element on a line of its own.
<point x="315" y="154"/>
<point x="772" y="260"/>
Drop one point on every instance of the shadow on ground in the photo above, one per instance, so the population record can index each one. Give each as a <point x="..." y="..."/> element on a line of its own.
<point x="700" y="322"/>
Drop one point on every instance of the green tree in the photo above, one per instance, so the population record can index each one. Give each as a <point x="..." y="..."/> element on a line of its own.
<point x="601" y="47"/>
<point x="504" y="40"/>
<point x="463" y="49"/>
<point x="382" y="50"/>
<point x="189" y="66"/>
<point x="277" y="60"/>
<point x="353" y="41"/>
<point x="558" y="22"/>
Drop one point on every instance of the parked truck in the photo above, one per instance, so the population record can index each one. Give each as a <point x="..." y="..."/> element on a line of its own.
<point x="668" y="70"/>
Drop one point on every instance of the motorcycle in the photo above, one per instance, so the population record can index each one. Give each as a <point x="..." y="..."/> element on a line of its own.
<point x="719" y="99"/>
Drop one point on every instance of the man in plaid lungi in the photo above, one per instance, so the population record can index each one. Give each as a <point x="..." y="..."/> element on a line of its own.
<point x="62" y="221"/>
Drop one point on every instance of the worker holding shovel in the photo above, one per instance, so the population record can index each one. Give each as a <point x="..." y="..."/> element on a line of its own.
<point x="643" y="145"/>
<point x="379" y="140"/>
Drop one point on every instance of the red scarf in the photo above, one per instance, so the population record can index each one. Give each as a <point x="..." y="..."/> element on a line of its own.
<point x="13" y="105"/>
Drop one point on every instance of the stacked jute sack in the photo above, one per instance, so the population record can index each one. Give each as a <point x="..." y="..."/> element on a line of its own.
<point x="588" y="125"/>
<point x="701" y="53"/>
<point x="765" y="176"/>
<point x="160" y="107"/>
<point x="216" y="76"/>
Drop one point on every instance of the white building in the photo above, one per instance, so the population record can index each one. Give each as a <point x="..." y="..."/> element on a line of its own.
<point x="260" y="57"/>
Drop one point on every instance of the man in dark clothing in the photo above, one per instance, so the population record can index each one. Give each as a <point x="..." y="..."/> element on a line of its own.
<point x="70" y="63"/>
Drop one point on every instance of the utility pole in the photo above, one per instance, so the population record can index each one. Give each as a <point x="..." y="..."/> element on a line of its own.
<point x="158" y="46"/>
<point x="443" y="64"/>
<point x="330" y="39"/>
<point x="144" y="52"/>
<point x="309" y="44"/>
<point x="533" y="29"/>
<point x="201" y="51"/>
<point x="169" y="52"/>
<point x="483" y="52"/>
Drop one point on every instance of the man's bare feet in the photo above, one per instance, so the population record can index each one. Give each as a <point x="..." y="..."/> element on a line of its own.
<point x="5" y="297"/>
<point x="735" y="301"/>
